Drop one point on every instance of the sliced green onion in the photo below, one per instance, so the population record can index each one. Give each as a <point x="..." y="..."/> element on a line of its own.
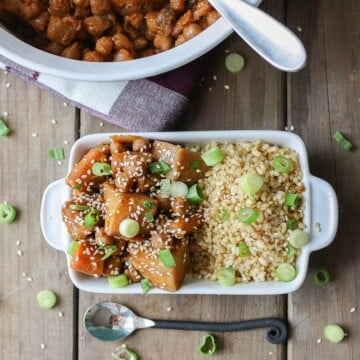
<point x="207" y="345"/>
<point x="322" y="276"/>
<point x="165" y="188"/>
<point x="73" y="246"/>
<point x="195" y="164"/>
<point x="123" y="350"/>
<point x="77" y="187"/>
<point x="46" y="299"/>
<point x="178" y="189"/>
<point x="298" y="238"/>
<point x="244" y="250"/>
<point x="109" y="250"/>
<point x="342" y="140"/>
<point x="101" y="169"/>
<point x="226" y="276"/>
<point x="224" y="215"/>
<point x="160" y="167"/>
<point x="129" y="228"/>
<point x="291" y="252"/>
<point x="79" y="207"/>
<point x="195" y="195"/>
<point x="4" y="129"/>
<point x="7" y="213"/>
<point x="291" y="200"/>
<point x="251" y="183"/>
<point x="149" y="217"/>
<point x="57" y="154"/>
<point x="146" y="286"/>
<point x="282" y="164"/>
<point x="167" y="258"/>
<point x="292" y="224"/>
<point x="334" y="333"/>
<point x="234" y="62"/>
<point x="213" y="156"/>
<point x="247" y="215"/>
<point x="148" y="204"/>
<point x="118" y="281"/>
<point x="91" y="218"/>
<point x="285" y="272"/>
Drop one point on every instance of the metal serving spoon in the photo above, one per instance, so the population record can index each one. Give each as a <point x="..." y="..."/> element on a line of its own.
<point x="112" y="321"/>
<point x="267" y="36"/>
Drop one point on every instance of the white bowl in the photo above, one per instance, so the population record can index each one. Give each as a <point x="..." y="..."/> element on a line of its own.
<point x="37" y="60"/>
<point x="319" y="200"/>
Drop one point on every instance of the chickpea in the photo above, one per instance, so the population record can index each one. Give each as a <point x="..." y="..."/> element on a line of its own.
<point x="93" y="56"/>
<point x="121" y="41"/>
<point x="73" y="51"/>
<point x="180" y="40"/>
<point x="122" y="55"/>
<point x="201" y="9"/>
<point x="151" y="21"/>
<point x="140" y="43"/>
<point x="150" y="35"/>
<point x="81" y="3"/>
<point x="178" y="5"/>
<point x="135" y="19"/>
<point x="40" y="23"/>
<point x="96" y="25"/>
<point x="100" y="7"/>
<point x="104" y="45"/>
<point x="191" y="30"/>
<point x="211" y="17"/>
<point x="147" y="52"/>
<point x="163" y="43"/>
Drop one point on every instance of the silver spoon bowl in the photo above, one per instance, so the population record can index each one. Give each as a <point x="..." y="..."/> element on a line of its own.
<point x="267" y="36"/>
<point x="110" y="321"/>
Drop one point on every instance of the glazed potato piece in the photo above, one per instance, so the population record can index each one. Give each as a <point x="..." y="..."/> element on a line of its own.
<point x="112" y="266"/>
<point x="166" y="278"/>
<point x="87" y="259"/>
<point x="179" y="227"/>
<point x="74" y="222"/>
<point x="102" y="238"/>
<point x="185" y="165"/>
<point x="120" y="206"/>
<point x="134" y="164"/>
<point x="121" y="143"/>
<point x="82" y="175"/>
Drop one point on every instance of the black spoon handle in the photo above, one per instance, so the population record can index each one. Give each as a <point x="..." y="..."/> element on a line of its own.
<point x="276" y="329"/>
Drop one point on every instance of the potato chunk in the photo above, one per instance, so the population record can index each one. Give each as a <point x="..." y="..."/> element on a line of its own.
<point x="151" y="268"/>
<point x="186" y="165"/>
<point x="120" y="206"/>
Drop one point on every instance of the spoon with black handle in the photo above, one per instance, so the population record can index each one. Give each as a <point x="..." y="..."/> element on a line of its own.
<point x="109" y="321"/>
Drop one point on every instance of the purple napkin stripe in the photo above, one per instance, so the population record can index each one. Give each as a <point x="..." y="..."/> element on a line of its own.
<point x="144" y="104"/>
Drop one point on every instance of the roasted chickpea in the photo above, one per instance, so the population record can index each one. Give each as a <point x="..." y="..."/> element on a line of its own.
<point x="140" y="43"/>
<point x="104" y="45"/>
<point x="147" y="52"/>
<point x="123" y="55"/>
<point x="74" y="51"/>
<point x="121" y="41"/>
<point x="163" y="43"/>
<point x="191" y="30"/>
<point x="100" y="7"/>
<point x="178" y="5"/>
<point x="93" y="56"/>
<point x="96" y="25"/>
<point x="151" y="21"/>
<point x="211" y="17"/>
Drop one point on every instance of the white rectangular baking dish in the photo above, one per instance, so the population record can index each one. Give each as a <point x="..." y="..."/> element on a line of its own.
<point x="319" y="199"/>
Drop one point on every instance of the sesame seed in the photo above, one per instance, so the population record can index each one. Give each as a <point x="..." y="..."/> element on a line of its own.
<point x="53" y="121"/>
<point x="5" y="114"/>
<point x="226" y="87"/>
<point x="29" y="279"/>
<point x="5" y="72"/>
<point x="66" y="104"/>
<point x="101" y="124"/>
<point x="60" y="314"/>
<point x="215" y="77"/>
<point x="318" y="341"/>
<point x="352" y="310"/>
<point x="34" y="134"/>
<point x="42" y="346"/>
<point x="65" y="142"/>
<point x="59" y="162"/>
<point x="299" y="29"/>
<point x="18" y="242"/>
<point x="20" y="253"/>
<point x="169" y="308"/>
<point x="8" y="85"/>
<point x="23" y="274"/>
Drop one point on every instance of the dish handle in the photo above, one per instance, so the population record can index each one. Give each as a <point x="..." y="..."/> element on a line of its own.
<point x="324" y="216"/>
<point x="50" y="216"/>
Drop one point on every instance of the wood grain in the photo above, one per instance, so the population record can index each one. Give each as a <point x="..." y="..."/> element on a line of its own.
<point x="322" y="99"/>
<point x="25" y="171"/>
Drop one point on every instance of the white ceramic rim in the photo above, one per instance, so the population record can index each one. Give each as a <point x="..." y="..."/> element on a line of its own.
<point x="319" y="200"/>
<point x="43" y="62"/>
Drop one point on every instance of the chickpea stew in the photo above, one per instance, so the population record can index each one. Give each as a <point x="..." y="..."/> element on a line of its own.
<point x="150" y="210"/>
<point x="106" y="30"/>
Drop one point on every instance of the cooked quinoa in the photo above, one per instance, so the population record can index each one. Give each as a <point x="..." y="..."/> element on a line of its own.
<point x="267" y="238"/>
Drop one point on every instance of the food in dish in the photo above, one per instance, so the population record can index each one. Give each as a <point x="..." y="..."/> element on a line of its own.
<point x="106" y="30"/>
<point x="155" y="210"/>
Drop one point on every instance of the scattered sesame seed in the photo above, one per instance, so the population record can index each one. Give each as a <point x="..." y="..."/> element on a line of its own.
<point x="169" y="308"/>
<point x="53" y="121"/>
<point x="226" y="51"/>
<point x="42" y="346"/>
<point x="215" y="77"/>
<point x="226" y="87"/>
<point x="34" y="134"/>
<point x="23" y="274"/>
<point x="18" y="242"/>
<point x="29" y="279"/>
<point x="299" y="29"/>
<point x="270" y="353"/>
<point x="210" y="88"/>
<point x="5" y="72"/>
<point x="292" y="128"/>
<point x="59" y="162"/>
<point x="317" y="227"/>
<point x="5" y="114"/>
<point x="7" y="85"/>
<point x="101" y="124"/>
<point x="352" y="310"/>
<point x="20" y="253"/>
<point x="66" y="104"/>
<point x="318" y="341"/>
<point x="66" y="142"/>
<point x="60" y="314"/>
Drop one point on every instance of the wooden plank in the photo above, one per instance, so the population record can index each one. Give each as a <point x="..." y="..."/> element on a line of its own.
<point x="246" y="105"/>
<point x="324" y="98"/>
<point x="25" y="171"/>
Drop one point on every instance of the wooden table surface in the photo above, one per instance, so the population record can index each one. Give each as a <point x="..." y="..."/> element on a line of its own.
<point x="322" y="98"/>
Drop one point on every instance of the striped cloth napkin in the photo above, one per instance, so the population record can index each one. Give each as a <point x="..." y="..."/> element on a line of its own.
<point x="152" y="104"/>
